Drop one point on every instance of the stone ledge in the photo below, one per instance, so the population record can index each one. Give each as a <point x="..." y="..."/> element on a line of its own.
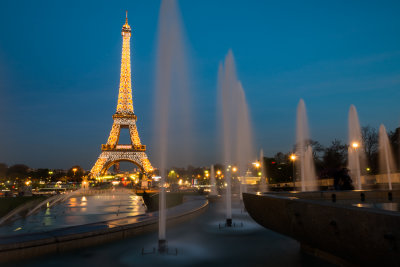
<point x="27" y="246"/>
<point x="361" y="236"/>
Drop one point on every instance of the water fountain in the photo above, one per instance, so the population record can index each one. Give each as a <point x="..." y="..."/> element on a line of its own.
<point x="386" y="159"/>
<point x="171" y="79"/>
<point x="304" y="151"/>
<point x="244" y="146"/>
<point x="243" y="185"/>
<point x="213" y="184"/>
<point x="235" y="119"/>
<point x="263" y="184"/>
<point x="246" y="179"/>
<point x="355" y="150"/>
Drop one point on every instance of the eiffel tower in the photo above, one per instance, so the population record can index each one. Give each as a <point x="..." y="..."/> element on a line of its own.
<point x="113" y="152"/>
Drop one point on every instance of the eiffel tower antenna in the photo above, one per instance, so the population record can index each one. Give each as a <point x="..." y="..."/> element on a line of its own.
<point x="124" y="117"/>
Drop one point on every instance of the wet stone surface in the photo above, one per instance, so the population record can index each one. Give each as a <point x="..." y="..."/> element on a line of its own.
<point x="198" y="242"/>
<point x="78" y="210"/>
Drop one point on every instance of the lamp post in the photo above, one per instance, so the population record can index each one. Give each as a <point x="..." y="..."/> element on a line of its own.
<point x="355" y="146"/>
<point x="257" y="165"/>
<point x="293" y="159"/>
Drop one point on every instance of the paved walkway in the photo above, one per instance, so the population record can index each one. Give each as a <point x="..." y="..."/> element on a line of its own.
<point x="199" y="242"/>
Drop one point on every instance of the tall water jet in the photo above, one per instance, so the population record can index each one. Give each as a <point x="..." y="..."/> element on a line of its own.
<point x="243" y="183"/>
<point x="356" y="147"/>
<point x="304" y="151"/>
<point x="171" y="80"/>
<point x="235" y="119"/>
<point x="241" y="186"/>
<point x="263" y="184"/>
<point x="243" y="142"/>
<point x="213" y="185"/>
<point x="386" y="159"/>
<point x="225" y="82"/>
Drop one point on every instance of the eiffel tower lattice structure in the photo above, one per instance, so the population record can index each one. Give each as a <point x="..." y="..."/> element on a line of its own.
<point x="113" y="152"/>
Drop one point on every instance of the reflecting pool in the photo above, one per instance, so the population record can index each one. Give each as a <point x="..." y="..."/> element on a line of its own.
<point x="78" y="210"/>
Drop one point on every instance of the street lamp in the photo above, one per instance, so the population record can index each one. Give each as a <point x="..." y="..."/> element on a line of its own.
<point x="74" y="170"/>
<point x="356" y="145"/>
<point x="257" y="164"/>
<point x="293" y="159"/>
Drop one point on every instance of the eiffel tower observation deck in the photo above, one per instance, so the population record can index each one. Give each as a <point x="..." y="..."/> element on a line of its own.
<point x="113" y="152"/>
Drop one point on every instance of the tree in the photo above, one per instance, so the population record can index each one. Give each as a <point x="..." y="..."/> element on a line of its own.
<point x="18" y="171"/>
<point x="75" y="173"/>
<point x="40" y="174"/>
<point x="279" y="168"/>
<point x="394" y="137"/>
<point x="370" y="140"/>
<point x="172" y="177"/>
<point x="334" y="158"/>
<point x="3" y="171"/>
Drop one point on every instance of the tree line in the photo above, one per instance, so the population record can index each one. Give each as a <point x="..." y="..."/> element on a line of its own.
<point x="329" y="159"/>
<point x="18" y="174"/>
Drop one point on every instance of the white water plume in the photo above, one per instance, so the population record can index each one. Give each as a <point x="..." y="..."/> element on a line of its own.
<point x="213" y="185"/>
<point x="356" y="148"/>
<point x="235" y="119"/>
<point x="386" y="159"/>
<point x="172" y="104"/>
<point x="305" y="162"/>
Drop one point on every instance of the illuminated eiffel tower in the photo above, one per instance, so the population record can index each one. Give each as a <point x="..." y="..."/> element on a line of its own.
<point x="113" y="152"/>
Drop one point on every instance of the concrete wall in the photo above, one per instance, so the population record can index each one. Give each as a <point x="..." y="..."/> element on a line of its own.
<point x="342" y="233"/>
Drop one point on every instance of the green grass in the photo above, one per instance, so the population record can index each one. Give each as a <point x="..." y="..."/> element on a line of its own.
<point x="7" y="204"/>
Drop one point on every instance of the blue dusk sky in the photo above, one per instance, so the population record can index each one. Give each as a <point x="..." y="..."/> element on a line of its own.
<point x="60" y="63"/>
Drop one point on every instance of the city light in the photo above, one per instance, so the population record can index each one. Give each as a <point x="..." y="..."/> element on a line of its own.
<point x="293" y="157"/>
<point x="257" y="164"/>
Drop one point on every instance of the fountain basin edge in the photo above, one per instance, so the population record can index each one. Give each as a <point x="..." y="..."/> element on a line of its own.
<point x="342" y="234"/>
<point x="26" y="246"/>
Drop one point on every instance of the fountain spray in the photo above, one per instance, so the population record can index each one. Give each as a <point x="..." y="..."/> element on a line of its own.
<point x="304" y="150"/>
<point x="386" y="159"/>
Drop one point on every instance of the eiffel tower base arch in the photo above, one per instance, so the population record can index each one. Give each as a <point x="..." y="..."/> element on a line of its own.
<point x="109" y="158"/>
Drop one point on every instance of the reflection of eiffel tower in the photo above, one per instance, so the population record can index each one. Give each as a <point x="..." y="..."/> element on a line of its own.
<point x="113" y="152"/>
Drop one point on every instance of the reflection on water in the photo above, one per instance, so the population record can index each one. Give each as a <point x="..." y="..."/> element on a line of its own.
<point x="384" y="206"/>
<point x="79" y="210"/>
